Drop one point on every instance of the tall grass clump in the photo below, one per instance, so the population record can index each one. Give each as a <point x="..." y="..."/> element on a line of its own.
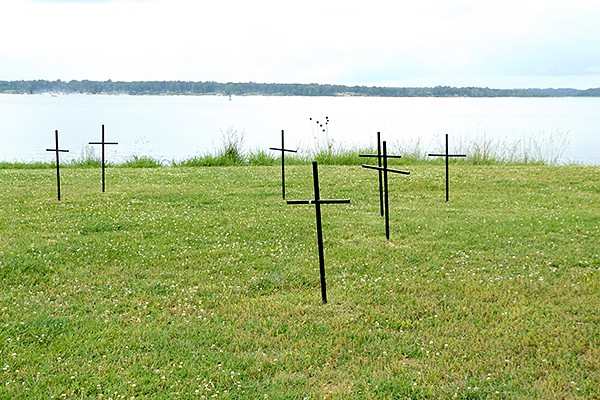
<point x="232" y="152"/>
<point x="261" y="157"/>
<point x="87" y="159"/>
<point x="196" y="161"/>
<point x="142" y="162"/>
<point x="551" y="149"/>
<point x="339" y="157"/>
<point x="542" y="149"/>
<point x="26" y="165"/>
<point x="326" y="152"/>
<point x="411" y="152"/>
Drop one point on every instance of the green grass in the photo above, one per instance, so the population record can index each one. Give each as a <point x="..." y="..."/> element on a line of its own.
<point x="202" y="283"/>
<point x="26" y="165"/>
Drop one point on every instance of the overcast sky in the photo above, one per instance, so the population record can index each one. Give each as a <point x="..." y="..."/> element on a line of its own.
<point x="489" y="43"/>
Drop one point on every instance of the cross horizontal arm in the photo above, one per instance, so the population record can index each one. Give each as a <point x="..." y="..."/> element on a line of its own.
<point x="300" y="201"/>
<point x="103" y="143"/>
<point x="378" y="156"/>
<point x="398" y="171"/>
<point x="62" y="151"/>
<point x="321" y="201"/>
<point x="291" y="151"/>
<point x="334" y="201"/>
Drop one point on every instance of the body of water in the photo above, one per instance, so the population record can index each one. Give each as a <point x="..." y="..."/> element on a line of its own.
<point x="180" y="127"/>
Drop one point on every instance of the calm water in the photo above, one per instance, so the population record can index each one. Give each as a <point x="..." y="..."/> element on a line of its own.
<point x="180" y="127"/>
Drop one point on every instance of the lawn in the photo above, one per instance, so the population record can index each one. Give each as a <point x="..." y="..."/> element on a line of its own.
<point x="201" y="282"/>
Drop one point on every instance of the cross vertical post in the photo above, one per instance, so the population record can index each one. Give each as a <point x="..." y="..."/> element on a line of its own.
<point x="283" y="150"/>
<point x="317" y="202"/>
<point x="386" y="188"/>
<point x="103" y="158"/>
<point x="57" y="150"/>
<point x="319" y="233"/>
<point x="447" y="156"/>
<point x="385" y="171"/>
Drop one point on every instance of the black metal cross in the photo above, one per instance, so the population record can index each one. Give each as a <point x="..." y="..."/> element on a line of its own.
<point x="57" y="150"/>
<point x="447" y="156"/>
<point x="283" y="150"/>
<point x="103" y="163"/>
<point x="317" y="202"/>
<point x="385" y="171"/>
<point x="379" y="163"/>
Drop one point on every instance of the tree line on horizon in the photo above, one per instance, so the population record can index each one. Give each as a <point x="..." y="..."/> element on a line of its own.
<point x="272" y="89"/>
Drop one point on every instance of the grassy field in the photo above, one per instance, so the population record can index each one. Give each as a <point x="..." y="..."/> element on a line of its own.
<point x="202" y="283"/>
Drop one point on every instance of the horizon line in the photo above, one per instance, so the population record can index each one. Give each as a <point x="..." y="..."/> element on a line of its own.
<point x="298" y="83"/>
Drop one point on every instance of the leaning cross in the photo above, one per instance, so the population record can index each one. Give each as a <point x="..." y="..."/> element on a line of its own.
<point x="447" y="156"/>
<point x="283" y="150"/>
<point x="317" y="202"/>
<point x="379" y="162"/>
<point x="385" y="171"/>
<point x="103" y="163"/>
<point x="57" y="150"/>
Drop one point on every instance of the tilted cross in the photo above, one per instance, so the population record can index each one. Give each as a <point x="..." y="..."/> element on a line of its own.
<point x="57" y="150"/>
<point x="379" y="163"/>
<point x="447" y="156"/>
<point x="283" y="150"/>
<point x="385" y="171"/>
<point x="317" y="202"/>
<point x="103" y="163"/>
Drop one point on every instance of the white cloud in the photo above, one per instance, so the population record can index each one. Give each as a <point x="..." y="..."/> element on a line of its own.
<point x="312" y="41"/>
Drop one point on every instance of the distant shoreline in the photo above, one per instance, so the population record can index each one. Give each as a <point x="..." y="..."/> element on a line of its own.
<point x="272" y="89"/>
